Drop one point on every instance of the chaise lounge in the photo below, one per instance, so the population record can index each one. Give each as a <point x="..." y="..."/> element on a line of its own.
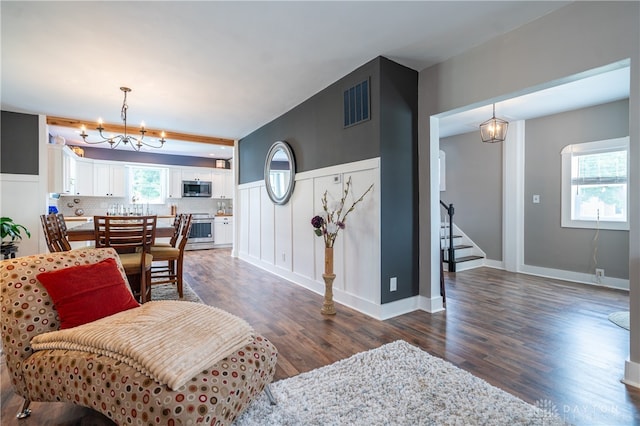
<point x="106" y="368"/>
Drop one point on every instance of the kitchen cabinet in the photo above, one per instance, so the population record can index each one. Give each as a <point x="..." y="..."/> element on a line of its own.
<point x="84" y="177"/>
<point x="223" y="231"/>
<point x="197" y="173"/>
<point x="175" y="183"/>
<point x="222" y="183"/>
<point x="109" y="180"/>
<point x="62" y="170"/>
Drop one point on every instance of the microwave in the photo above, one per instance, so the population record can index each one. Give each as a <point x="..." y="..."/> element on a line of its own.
<point x="196" y="188"/>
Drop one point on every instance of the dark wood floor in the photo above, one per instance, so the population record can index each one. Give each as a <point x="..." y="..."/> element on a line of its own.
<point x="547" y="342"/>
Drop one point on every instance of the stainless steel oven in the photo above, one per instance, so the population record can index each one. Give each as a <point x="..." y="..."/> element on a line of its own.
<point x="201" y="234"/>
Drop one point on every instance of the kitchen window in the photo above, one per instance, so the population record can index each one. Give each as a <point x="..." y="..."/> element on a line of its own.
<point x="148" y="184"/>
<point x="594" y="184"/>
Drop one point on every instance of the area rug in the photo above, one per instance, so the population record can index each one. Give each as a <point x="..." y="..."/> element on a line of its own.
<point x="170" y="292"/>
<point x="621" y="319"/>
<point x="395" y="384"/>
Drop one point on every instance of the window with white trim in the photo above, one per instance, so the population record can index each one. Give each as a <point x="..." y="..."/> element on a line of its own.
<point x="594" y="184"/>
<point x="148" y="184"/>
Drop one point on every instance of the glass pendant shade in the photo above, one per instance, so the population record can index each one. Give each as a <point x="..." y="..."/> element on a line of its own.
<point x="494" y="130"/>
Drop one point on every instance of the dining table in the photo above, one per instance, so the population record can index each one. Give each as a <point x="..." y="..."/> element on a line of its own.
<point x="85" y="232"/>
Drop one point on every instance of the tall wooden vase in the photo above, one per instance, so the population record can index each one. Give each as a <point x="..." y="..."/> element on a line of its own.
<point x="328" y="308"/>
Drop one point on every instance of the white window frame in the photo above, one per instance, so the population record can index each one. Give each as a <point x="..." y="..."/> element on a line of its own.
<point x="163" y="184"/>
<point x="567" y="153"/>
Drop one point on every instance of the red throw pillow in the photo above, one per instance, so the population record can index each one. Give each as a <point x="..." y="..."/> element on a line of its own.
<point x="85" y="293"/>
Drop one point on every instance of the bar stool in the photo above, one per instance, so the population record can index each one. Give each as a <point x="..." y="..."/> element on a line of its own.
<point x="55" y="232"/>
<point x="172" y="271"/>
<point x="131" y="237"/>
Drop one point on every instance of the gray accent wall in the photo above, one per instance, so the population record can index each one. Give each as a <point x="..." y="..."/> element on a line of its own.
<point x="474" y="187"/>
<point x="19" y="143"/>
<point x="546" y="243"/>
<point x="152" y="156"/>
<point x="315" y="131"/>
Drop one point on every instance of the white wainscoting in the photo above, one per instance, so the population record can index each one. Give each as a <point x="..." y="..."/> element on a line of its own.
<point x="280" y="239"/>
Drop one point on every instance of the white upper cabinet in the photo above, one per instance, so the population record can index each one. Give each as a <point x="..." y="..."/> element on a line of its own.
<point x="62" y="170"/>
<point x="222" y="183"/>
<point x="84" y="177"/>
<point x="175" y="183"/>
<point x="109" y="180"/>
<point x="197" y="174"/>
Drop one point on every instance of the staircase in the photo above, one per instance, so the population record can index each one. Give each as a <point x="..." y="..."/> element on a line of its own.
<point x="466" y="254"/>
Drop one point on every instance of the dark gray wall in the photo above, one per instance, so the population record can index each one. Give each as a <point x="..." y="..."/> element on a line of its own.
<point x="19" y="143"/>
<point x="398" y="179"/>
<point x="315" y="131"/>
<point x="474" y="187"/>
<point x="547" y="244"/>
<point x="131" y="156"/>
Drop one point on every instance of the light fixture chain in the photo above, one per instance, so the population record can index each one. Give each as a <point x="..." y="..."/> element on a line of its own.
<point x="123" y="112"/>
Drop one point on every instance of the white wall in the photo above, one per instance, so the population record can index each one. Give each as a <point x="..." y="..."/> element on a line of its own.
<point x="281" y="240"/>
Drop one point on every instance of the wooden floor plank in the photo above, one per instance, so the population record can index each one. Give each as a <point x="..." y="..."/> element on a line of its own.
<point x="543" y="340"/>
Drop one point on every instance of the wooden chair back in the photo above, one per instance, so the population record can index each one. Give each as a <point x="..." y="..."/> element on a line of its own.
<point x="177" y="223"/>
<point x="185" y="229"/>
<point x="126" y="234"/>
<point x="55" y="232"/>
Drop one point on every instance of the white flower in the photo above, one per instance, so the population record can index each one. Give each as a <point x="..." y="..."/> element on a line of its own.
<point x="332" y="228"/>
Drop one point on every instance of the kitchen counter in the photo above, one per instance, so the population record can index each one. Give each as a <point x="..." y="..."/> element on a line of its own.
<point x="87" y="218"/>
<point x="86" y="232"/>
<point x="78" y="218"/>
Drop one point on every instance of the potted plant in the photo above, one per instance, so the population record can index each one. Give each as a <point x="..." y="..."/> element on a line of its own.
<point x="8" y="228"/>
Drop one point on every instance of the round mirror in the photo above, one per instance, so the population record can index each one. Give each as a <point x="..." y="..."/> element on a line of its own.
<point x="279" y="172"/>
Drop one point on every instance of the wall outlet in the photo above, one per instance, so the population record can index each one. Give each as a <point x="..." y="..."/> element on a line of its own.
<point x="393" y="284"/>
<point x="599" y="274"/>
<point x="536" y="199"/>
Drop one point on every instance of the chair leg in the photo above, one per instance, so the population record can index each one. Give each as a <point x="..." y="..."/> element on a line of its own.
<point x="25" y="411"/>
<point x="145" y="278"/>
<point x="267" y="390"/>
<point x="179" y="278"/>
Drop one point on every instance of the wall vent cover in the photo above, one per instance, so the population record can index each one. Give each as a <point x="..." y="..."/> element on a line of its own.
<point x="356" y="104"/>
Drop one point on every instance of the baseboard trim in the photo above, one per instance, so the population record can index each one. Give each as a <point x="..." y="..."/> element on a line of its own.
<point x="578" y="277"/>
<point x="631" y="374"/>
<point x="361" y="305"/>
<point x="378" y="311"/>
<point x="495" y="264"/>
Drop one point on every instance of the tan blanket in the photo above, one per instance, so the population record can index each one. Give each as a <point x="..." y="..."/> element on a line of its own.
<point x="169" y="341"/>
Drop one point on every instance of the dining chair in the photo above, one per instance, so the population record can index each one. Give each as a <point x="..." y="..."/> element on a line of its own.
<point x="177" y="222"/>
<point x="55" y="232"/>
<point x="131" y="237"/>
<point x="172" y="256"/>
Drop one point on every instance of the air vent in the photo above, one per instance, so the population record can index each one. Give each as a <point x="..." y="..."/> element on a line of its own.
<point x="356" y="104"/>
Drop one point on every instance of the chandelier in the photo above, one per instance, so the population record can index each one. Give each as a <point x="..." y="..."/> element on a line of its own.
<point x="135" y="142"/>
<point x="494" y="129"/>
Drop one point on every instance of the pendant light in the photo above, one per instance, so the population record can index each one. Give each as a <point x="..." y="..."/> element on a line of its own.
<point x="494" y="130"/>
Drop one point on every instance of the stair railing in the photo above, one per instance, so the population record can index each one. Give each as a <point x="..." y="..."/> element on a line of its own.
<point x="451" y="261"/>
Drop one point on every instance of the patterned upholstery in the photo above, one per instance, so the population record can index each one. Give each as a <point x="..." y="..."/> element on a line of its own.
<point x="215" y="396"/>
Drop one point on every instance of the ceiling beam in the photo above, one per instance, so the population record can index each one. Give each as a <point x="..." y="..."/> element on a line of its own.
<point x="119" y="128"/>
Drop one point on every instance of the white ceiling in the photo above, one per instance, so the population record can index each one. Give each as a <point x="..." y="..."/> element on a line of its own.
<point x="219" y="68"/>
